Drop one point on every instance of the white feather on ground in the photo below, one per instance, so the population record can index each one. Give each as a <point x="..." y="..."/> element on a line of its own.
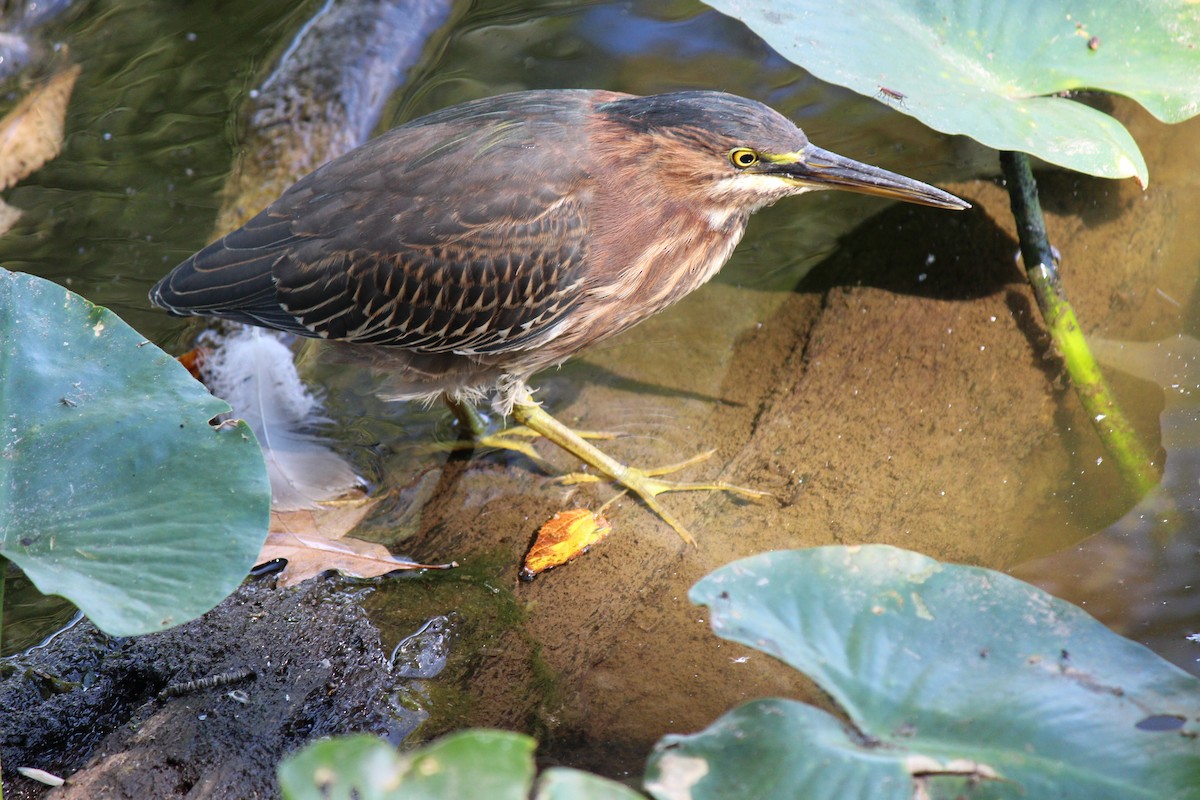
<point x="252" y="370"/>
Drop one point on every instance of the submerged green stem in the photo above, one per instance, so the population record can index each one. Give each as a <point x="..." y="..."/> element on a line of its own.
<point x="1113" y="427"/>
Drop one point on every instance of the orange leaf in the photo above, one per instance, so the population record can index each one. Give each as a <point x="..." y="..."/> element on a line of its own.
<point x="193" y="361"/>
<point x="567" y="535"/>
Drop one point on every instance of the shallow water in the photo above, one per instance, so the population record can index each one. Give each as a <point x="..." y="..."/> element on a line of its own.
<point x="899" y="393"/>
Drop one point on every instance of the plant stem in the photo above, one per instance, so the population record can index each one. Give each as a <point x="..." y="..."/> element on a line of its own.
<point x="1110" y="421"/>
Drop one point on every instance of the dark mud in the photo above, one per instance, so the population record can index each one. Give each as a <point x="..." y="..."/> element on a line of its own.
<point x="297" y="664"/>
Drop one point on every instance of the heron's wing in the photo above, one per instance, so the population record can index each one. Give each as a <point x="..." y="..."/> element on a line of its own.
<point x="233" y="277"/>
<point x="427" y="238"/>
<point x="493" y="274"/>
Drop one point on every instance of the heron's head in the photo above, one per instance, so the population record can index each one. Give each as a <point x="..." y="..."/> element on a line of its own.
<point x="716" y="146"/>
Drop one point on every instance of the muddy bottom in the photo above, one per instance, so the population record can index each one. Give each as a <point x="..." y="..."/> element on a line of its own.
<point x="903" y="393"/>
<point x="207" y="709"/>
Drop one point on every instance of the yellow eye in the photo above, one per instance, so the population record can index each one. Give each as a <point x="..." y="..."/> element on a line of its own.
<point x="743" y="157"/>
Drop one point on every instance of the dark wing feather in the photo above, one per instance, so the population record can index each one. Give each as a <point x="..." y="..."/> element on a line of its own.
<point x="464" y="231"/>
<point x="232" y="277"/>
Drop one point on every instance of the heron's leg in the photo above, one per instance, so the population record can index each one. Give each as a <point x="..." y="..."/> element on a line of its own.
<point x="516" y="439"/>
<point x="643" y="483"/>
<point x="468" y="416"/>
<point x="476" y="428"/>
<point x="753" y="494"/>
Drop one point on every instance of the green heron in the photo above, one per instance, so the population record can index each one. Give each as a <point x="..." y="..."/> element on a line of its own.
<point x="475" y="246"/>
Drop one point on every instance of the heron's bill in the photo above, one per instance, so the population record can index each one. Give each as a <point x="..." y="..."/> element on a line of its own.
<point x="822" y="169"/>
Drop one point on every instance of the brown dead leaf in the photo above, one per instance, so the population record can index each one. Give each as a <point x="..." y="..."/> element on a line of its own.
<point x="32" y="133"/>
<point x="332" y="519"/>
<point x="314" y="541"/>
<point x="565" y="536"/>
<point x="308" y="555"/>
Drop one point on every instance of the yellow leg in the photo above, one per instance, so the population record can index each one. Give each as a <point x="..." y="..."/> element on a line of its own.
<point x="475" y="426"/>
<point x="514" y="438"/>
<point x="643" y="483"/>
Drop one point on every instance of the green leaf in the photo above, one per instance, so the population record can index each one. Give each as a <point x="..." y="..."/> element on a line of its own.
<point x="497" y="765"/>
<point x="768" y="748"/>
<point x="560" y="783"/>
<point x="955" y="680"/>
<point x="360" y="767"/>
<point x="989" y="69"/>
<point x="115" y="492"/>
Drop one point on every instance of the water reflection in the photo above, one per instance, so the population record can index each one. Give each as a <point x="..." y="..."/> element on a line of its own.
<point x="31" y="619"/>
<point x="1141" y="575"/>
<point x="625" y="32"/>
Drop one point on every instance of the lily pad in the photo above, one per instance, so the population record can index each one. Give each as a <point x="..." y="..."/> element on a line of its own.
<point x="497" y="765"/>
<point x="115" y="491"/>
<point x="954" y="681"/>
<point x="994" y="70"/>
<point x="560" y="783"/>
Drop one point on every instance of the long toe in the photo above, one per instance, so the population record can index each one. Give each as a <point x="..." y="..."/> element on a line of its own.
<point x="644" y="483"/>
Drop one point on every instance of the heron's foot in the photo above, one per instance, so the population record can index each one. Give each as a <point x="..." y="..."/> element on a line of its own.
<point x="646" y="484"/>
<point x="529" y="433"/>
<point x="517" y="439"/>
<point x="656" y="487"/>
<point x="478" y="433"/>
<point x="510" y="439"/>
